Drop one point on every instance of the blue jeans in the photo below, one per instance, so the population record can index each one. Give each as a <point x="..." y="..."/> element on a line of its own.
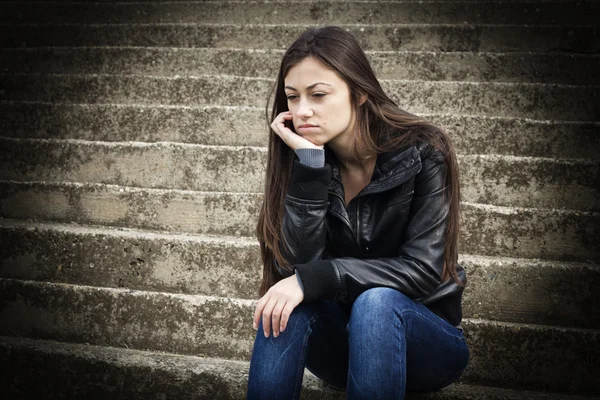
<point x="381" y="346"/>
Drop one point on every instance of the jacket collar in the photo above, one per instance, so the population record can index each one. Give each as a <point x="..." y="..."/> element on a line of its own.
<point x="391" y="169"/>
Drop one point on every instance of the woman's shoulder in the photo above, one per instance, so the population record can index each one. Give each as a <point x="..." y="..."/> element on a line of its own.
<point x="428" y="151"/>
<point x="431" y="142"/>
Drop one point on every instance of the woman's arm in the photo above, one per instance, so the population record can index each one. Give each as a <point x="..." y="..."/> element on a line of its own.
<point x="304" y="234"/>
<point x="417" y="269"/>
<point x="305" y="207"/>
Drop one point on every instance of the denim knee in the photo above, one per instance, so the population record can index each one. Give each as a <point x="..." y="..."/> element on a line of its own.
<point x="277" y="363"/>
<point x="372" y="309"/>
<point x="303" y="313"/>
<point x="378" y="300"/>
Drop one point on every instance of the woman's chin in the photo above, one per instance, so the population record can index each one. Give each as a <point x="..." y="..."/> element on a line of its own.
<point x="311" y="139"/>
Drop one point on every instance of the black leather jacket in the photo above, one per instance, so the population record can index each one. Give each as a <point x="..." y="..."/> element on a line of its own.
<point x="398" y="239"/>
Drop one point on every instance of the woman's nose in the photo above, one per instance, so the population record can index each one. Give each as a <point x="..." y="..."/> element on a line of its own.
<point x="304" y="109"/>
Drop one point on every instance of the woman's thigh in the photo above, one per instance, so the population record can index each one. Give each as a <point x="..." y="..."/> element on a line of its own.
<point x="327" y="355"/>
<point x="436" y="352"/>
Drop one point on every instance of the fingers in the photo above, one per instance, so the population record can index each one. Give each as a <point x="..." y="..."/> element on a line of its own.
<point x="291" y="139"/>
<point x="266" y="316"/>
<point x="264" y="309"/>
<point x="260" y="305"/>
<point x="285" y="316"/>
<point x="278" y="123"/>
<point x="280" y="129"/>
<point x="276" y="318"/>
<point x="275" y="315"/>
<point x="276" y="306"/>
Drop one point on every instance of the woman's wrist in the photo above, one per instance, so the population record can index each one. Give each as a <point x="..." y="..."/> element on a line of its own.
<point x="299" y="281"/>
<point x="311" y="157"/>
<point x="309" y="183"/>
<point x="320" y="280"/>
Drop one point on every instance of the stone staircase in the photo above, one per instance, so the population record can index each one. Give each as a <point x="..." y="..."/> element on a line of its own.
<point x="132" y="154"/>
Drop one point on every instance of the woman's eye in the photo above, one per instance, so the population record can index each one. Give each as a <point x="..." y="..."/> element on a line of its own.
<point x="319" y="94"/>
<point x="291" y="97"/>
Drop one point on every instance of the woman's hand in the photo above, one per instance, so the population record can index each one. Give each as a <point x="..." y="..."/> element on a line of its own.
<point x="277" y="305"/>
<point x="292" y="139"/>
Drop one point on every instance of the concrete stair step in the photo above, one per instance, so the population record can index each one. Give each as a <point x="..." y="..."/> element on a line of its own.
<point x="530" y="290"/>
<point x="156" y="165"/>
<point x="219" y="125"/>
<point x="211" y="213"/>
<point x="530" y="233"/>
<point x="413" y="37"/>
<point x="530" y="182"/>
<point x="296" y="12"/>
<point x="44" y="369"/>
<point x="502" y="354"/>
<point x="578" y="69"/>
<point x="498" y="289"/>
<point x="537" y="101"/>
<point x="490" y="179"/>
<point x="521" y="232"/>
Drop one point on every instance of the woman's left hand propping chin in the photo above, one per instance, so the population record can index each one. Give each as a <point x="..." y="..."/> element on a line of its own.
<point x="276" y="306"/>
<point x="292" y="139"/>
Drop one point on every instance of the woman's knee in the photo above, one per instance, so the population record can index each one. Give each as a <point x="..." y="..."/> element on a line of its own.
<point x="302" y="315"/>
<point x="378" y="300"/>
<point x="375" y="309"/>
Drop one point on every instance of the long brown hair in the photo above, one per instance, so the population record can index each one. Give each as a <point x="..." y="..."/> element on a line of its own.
<point x="381" y="126"/>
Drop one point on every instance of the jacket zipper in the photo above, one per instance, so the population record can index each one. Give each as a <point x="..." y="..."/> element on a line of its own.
<point x="345" y="220"/>
<point x="358" y="224"/>
<point x="363" y="192"/>
<point x="356" y="232"/>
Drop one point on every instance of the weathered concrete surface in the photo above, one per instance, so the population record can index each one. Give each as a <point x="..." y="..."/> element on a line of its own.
<point x="530" y="182"/>
<point x="529" y="356"/>
<point x="531" y="291"/>
<point x="487" y="67"/>
<point x="323" y="12"/>
<point x="236" y="126"/>
<point x="530" y="233"/>
<point x="487" y="179"/>
<point x="47" y="370"/>
<point x="503" y="354"/>
<point x="213" y="213"/>
<point x="50" y="370"/>
<point x="151" y="165"/>
<point x="459" y="37"/>
<point x="173" y="322"/>
<point x="499" y="289"/>
<point x="538" y="101"/>
<point x="488" y="230"/>
<point x="580" y="69"/>
<point x="210" y="125"/>
<point x="126" y="258"/>
<point x="522" y="137"/>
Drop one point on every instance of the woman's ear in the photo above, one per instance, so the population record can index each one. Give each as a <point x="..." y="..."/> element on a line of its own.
<point x="362" y="99"/>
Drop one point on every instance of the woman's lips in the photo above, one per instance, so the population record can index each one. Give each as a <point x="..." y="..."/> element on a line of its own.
<point x="307" y="127"/>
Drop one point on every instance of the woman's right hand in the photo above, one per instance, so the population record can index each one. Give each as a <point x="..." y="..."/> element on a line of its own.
<point x="292" y="139"/>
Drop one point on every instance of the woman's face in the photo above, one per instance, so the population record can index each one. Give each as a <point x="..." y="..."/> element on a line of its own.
<point x="319" y="101"/>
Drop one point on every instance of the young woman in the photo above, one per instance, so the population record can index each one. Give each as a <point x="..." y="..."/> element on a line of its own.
<point x="358" y="232"/>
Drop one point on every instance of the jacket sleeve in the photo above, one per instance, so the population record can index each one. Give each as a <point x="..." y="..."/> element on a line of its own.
<point x="417" y="269"/>
<point x="304" y="226"/>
